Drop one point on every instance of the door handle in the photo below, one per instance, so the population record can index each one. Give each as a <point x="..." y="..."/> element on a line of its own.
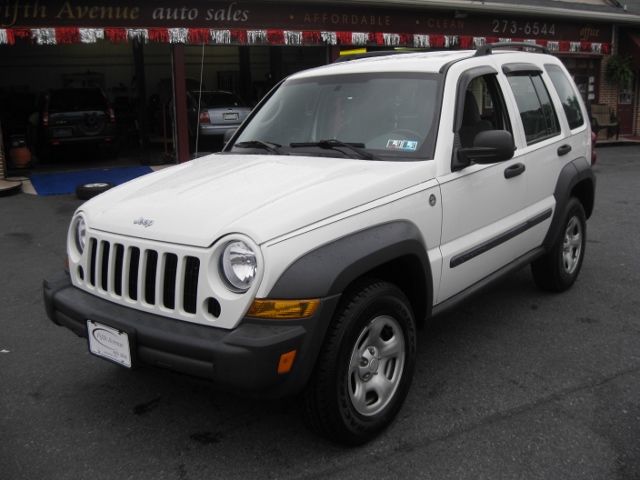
<point x="563" y="150"/>
<point x="514" y="170"/>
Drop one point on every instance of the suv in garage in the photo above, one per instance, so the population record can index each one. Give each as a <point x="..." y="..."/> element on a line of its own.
<point x="358" y="200"/>
<point x="75" y="116"/>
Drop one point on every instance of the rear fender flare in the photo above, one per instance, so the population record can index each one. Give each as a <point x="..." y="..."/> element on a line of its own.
<point x="572" y="174"/>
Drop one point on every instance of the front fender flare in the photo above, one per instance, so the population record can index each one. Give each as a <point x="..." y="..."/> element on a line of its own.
<point x="330" y="268"/>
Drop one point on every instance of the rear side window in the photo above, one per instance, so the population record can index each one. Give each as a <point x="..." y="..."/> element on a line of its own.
<point x="538" y="116"/>
<point x="567" y="95"/>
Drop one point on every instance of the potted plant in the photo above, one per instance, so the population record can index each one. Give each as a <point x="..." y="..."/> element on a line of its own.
<point x="619" y="71"/>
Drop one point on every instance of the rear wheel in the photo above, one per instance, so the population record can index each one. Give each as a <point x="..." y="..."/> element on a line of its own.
<point x="559" y="268"/>
<point x="364" y="371"/>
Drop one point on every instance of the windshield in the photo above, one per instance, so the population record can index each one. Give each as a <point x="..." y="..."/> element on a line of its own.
<point x="391" y="115"/>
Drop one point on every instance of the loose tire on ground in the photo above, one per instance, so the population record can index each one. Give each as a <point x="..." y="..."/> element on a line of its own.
<point x="559" y="268"/>
<point x="9" y="188"/>
<point x="90" y="190"/>
<point x="364" y="370"/>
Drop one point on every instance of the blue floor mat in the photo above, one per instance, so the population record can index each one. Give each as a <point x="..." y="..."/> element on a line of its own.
<point x="66" y="182"/>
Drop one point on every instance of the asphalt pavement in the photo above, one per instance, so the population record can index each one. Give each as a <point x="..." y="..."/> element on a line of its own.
<point x="515" y="383"/>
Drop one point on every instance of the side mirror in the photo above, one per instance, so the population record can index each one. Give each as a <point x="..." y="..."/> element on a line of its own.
<point x="228" y="134"/>
<point x="490" y="146"/>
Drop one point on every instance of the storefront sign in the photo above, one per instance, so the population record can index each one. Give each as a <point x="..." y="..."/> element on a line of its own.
<point x="237" y="22"/>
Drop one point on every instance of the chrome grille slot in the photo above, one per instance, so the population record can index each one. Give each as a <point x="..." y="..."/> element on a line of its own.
<point x="93" y="244"/>
<point x="146" y="276"/>
<point x="169" y="286"/>
<point x="134" y="263"/>
<point x="104" y="265"/>
<point x="117" y="274"/>
<point x="191" y="272"/>
<point x="151" y="265"/>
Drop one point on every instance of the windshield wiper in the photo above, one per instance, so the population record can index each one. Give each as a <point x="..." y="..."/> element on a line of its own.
<point x="335" y="144"/>
<point x="270" y="146"/>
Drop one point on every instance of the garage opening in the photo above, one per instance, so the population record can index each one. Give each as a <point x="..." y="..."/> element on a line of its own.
<point x="105" y="104"/>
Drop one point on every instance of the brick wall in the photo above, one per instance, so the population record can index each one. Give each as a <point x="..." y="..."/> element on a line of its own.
<point x="608" y="93"/>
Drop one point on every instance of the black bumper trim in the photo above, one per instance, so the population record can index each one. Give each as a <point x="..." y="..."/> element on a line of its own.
<point x="244" y="358"/>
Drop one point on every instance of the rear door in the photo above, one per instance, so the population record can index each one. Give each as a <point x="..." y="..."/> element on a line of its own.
<point x="482" y="204"/>
<point x="546" y="134"/>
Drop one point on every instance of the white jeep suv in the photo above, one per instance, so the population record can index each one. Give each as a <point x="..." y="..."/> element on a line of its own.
<point x="356" y="201"/>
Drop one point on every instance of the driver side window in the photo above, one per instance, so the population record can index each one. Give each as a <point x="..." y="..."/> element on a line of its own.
<point x="484" y="109"/>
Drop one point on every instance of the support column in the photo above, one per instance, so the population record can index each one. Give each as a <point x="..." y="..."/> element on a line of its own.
<point x="333" y="53"/>
<point x="180" y="125"/>
<point x="245" y="72"/>
<point x="276" y="64"/>
<point x="140" y="93"/>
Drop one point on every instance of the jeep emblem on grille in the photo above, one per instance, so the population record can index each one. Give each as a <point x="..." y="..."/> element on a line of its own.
<point x="145" y="222"/>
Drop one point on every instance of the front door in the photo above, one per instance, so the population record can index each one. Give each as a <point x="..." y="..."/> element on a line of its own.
<point x="481" y="203"/>
<point x="625" y="110"/>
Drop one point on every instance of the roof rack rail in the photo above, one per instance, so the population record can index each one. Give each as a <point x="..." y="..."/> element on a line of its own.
<point x="377" y="53"/>
<point x="488" y="48"/>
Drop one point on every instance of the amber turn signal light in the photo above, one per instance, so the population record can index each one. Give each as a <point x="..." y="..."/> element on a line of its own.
<point x="286" y="362"/>
<point x="283" y="309"/>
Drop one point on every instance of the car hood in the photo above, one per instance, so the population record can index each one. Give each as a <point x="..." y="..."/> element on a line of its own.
<point x="262" y="196"/>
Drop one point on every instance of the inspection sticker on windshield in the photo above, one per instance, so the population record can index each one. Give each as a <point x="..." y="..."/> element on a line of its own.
<point x="404" y="145"/>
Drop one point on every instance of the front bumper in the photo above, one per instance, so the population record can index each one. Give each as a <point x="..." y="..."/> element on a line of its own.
<point x="244" y="359"/>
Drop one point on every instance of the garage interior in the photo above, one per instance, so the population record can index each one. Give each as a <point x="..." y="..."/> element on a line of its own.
<point x="137" y="79"/>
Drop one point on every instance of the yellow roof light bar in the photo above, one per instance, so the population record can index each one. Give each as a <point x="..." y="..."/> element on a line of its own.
<point x="354" y="51"/>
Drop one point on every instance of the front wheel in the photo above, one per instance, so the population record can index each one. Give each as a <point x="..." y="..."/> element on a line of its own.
<point x="365" y="368"/>
<point x="559" y="268"/>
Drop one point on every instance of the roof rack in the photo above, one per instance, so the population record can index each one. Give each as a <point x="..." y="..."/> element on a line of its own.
<point x="378" y="53"/>
<point x="488" y="48"/>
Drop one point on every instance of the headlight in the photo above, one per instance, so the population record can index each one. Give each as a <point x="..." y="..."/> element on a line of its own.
<point x="80" y="234"/>
<point x="238" y="265"/>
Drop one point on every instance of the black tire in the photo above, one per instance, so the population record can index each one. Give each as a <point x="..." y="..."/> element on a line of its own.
<point x="90" y="190"/>
<point x="8" y="188"/>
<point x="331" y="408"/>
<point x="558" y="269"/>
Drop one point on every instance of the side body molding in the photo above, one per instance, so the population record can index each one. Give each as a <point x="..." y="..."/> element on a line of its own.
<point x="576" y="172"/>
<point x="329" y="269"/>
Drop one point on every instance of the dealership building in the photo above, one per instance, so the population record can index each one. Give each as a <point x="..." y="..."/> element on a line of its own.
<point x="147" y="55"/>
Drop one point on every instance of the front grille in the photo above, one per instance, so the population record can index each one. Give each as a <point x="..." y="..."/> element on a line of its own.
<point x="144" y="275"/>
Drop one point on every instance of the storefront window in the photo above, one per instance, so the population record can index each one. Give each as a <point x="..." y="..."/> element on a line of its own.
<point x="625" y="97"/>
<point x="584" y="72"/>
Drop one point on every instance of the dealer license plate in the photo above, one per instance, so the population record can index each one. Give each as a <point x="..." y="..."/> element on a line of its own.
<point x="109" y="343"/>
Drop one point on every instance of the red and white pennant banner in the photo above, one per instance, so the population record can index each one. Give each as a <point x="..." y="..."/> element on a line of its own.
<point x="197" y="36"/>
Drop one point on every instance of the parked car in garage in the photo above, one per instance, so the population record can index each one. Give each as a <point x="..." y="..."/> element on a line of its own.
<point x="73" y="116"/>
<point x="218" y="112"/>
